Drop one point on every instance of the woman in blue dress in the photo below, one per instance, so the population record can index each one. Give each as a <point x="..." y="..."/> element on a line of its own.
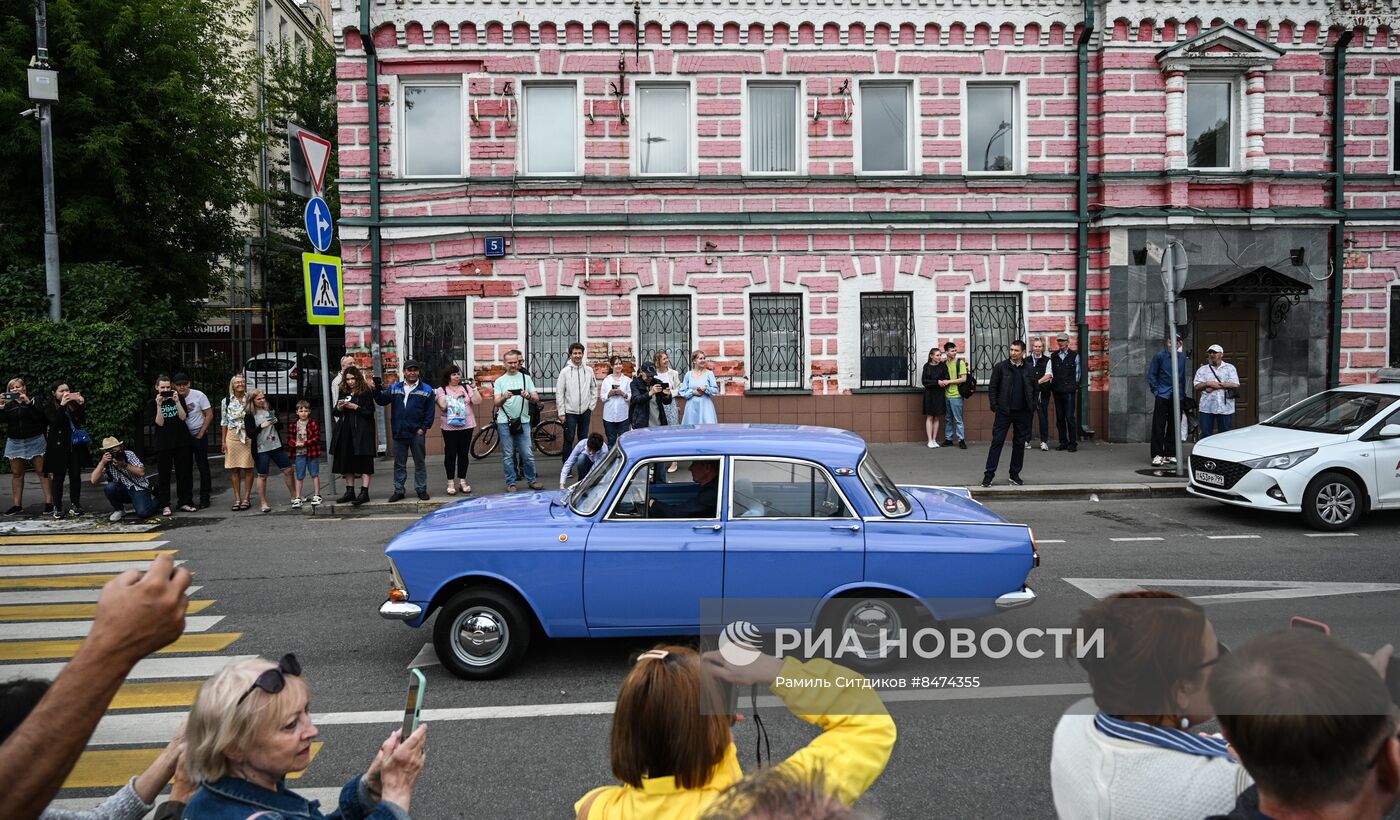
<point x="697" y="389"/>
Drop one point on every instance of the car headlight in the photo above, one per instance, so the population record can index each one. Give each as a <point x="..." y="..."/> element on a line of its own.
<point x="1279" y="462"/>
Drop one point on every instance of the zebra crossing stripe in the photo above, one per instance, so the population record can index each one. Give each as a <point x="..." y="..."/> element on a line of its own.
<point x="68" y="596"/>
<point x="148" y="669"/>
<point x="48" y="630"/>
<point x="41" y="650"/>
<point x="77" y="538"/>
<point x="79" y="558"/>
<point x="156" y="694"/>
<point x="61" y="612"/>
<point x="74" y="569"/>
<point x="103" y="546"/>
<point x="60" y="582"/>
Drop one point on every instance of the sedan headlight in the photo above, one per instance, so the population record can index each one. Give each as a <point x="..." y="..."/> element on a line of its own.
<point x="1280" y="462"/>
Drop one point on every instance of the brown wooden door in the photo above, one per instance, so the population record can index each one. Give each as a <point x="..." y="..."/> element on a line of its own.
<point x="1239" y="335"/>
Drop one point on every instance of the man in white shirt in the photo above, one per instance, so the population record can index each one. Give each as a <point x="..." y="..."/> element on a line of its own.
<point x="586" y="454"/>
<point x="1217" y="383"/>
<point x="199" y="415"/>
<point x="575" y="393"/>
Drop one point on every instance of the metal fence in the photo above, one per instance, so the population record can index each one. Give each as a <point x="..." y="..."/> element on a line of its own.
<point x="551" y="325"/>
<point x="994" y="320"/>
<point x="663" y="323"/>
<point x="775" y="327"/>
<point x="886" y="340"/>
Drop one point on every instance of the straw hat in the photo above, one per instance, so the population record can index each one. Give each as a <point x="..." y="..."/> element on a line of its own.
<point x="110" y="442"/>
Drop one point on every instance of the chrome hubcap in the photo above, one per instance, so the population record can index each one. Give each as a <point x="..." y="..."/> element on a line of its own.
<point x="480" y="636"/>
<point x="868" y="620"/>
<point x="1335" y="503"/>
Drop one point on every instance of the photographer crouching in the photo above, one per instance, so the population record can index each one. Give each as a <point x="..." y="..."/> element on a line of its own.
<point x="124" y="477"/>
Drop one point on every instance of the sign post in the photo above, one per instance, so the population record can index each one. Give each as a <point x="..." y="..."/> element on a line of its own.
<point x="325" y="305"/>
<point x="1173" y="280"/>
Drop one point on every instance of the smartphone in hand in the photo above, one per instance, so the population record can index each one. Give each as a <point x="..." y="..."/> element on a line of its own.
<point x="413" y="706"/>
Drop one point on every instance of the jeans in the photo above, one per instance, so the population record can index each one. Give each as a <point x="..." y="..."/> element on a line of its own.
<point x="613" y="429"/>
<point x="1163" y="426"/>
<point x="402" y="448"/>
<point x="576" y="427"/>
<point x="177" y="460"/>
<point x="1042" y="416"/>
<point x="1210" y="423"/>
<point x="954" y="427"/>
<point x="263" y="461"/>
<point x="513" y="445"/>
<point x="201" y="464"/>
<point x="118" y="495"/>
<point x="307" y="466"/>
<point x="457" y="450"/>
<point x="1066" y="406"/>
<point x="1020" y="423"/>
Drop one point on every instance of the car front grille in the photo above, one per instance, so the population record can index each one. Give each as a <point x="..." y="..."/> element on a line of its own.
<point x="1232" y="471"/>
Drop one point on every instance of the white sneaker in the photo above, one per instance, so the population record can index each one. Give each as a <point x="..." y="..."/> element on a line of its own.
<point x="933" y="445"/>
<point x="1171" y="459"/>
<point x="1044" y="446"/>
<point x="1158" y="461"/>
<point x="115" y="516"/>
<point x="1028" y="445"/>
<point x="315" y="500"/>
<point x="296" y="503"/>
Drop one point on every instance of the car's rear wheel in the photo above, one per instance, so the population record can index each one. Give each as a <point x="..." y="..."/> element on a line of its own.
<point x="865" y="617"/>
<point x="481" y="633"/>
<point x="1333" y="501"/>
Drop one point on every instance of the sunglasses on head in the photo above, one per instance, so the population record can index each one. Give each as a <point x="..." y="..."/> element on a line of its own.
<point x="274" y="680"/>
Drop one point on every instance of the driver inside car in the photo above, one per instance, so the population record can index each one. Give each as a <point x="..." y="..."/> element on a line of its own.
<point x="701" y="505"/>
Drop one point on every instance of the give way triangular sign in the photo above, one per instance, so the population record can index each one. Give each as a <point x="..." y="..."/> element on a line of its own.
<point x="318" y="155"/>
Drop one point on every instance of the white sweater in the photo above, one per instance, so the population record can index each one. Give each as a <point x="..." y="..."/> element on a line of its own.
<point x="1095" y="776"/>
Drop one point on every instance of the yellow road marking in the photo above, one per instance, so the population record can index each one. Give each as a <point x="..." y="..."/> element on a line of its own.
<point x="157" y="695"/>
<point x="78" y="538"/>
<point x="60" y="612"/>
<point x="79" y="558"/>
<point x="112" y="768"/>
<point x="40" y="650"/>
<point x="57" y="582"/>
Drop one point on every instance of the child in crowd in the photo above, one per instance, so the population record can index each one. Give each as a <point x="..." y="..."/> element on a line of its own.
<point x="306" y="454"/>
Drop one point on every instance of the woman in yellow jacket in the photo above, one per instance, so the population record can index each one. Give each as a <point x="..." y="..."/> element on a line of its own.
<point x="674" y="760"/>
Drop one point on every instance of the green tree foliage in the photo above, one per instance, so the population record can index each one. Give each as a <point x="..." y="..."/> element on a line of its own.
<point x="301" y="86"/>
<point x="93" y="293"/>
<point x="95" y="359"/>
<point x="151" y="138"/>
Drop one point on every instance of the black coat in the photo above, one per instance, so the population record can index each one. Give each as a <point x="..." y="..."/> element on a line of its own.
<point x="935" y="397"/>
<point x="638" y="405"/>
<point x="357" y="424"/>
<point x="60" y="441"/>
<point x="1006" y="379"/>
<point x="25" y="420"/>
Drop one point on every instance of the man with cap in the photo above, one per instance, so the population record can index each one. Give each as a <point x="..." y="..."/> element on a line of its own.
<point x="650" y="395"/>
<point x="1064" y="386"/>
<point x="123" y="477"/>
<point x="414" y="407"/>
<point x="1217" y="384"/>
<point x="199" y="415"/>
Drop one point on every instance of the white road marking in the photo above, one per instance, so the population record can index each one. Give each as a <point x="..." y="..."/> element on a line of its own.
<point x="1140" y="538"/>
<point x="1330" y="534"/>
<point x="1049" y="541"/>
<point x="76" y="549"/>
<point x="99" y="568"/>
<point x="151" y="668"/>
<point x="156" y="728"/>
<point x="51" y="630"/>
<point x="60" y="596"/>
<point x="1230" y="537"/>
<point x="1262" y="590"/>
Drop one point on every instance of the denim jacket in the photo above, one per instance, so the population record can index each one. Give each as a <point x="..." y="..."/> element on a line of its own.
<point x="232" y="798"/>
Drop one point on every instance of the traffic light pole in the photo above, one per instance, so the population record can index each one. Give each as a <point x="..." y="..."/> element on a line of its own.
<point x="45" y="116"/>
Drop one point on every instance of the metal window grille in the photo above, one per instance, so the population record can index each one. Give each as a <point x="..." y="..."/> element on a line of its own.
<point x="995" y="320"/>
<point x="437" y="334"/>
<point x="886" y="340"/>
<point x="663" y="323"/>
<point x="551" y="325"/>
<point x="1395" y="327"/>
<point x="775" y="346"/>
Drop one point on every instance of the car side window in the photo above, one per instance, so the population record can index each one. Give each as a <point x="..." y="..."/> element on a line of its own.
<point x="783" y="489"/>
<point x="667" y="488"/>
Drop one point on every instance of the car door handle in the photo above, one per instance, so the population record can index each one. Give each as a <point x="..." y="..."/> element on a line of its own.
<point x="710" y="527"/>
<point x="851" y="527"/>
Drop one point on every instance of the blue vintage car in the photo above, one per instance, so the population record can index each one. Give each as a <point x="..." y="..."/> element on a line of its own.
<point x="676" y="518"/>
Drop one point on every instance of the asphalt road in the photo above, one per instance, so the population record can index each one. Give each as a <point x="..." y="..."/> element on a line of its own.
<point x="311" y="586"/>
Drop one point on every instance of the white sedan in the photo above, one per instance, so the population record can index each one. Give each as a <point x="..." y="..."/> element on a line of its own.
<point x="1332" y="457"/>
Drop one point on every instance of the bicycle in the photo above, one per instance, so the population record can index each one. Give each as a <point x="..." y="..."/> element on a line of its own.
<point x="546" y="436"/>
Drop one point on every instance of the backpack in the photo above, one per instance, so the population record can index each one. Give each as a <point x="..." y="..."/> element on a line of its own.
<point x="968" y="387"/>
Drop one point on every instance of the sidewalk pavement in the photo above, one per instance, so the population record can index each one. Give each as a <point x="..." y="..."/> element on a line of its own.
<point x="1097" y="469"/>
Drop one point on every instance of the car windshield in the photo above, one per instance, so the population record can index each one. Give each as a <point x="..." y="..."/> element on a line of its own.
<point x="882" y="488"/>
<point x="588" y="493"/>
<point x="1336" y="411"/>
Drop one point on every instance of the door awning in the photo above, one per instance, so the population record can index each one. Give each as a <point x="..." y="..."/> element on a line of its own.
<point x="1262" y="281"/>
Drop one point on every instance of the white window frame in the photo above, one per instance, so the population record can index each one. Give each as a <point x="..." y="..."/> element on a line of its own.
<point x="1020" y="146"/>
<point x="1237" y="117"/>
<point x="521" y="147"/>
<point x="801" y="135"/>
<point x="912" y="152"/>
<point x="691" y="130"/>
<point x="400" y="122"/>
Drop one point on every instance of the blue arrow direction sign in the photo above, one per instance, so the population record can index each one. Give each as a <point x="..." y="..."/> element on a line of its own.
<point x="319" y="226"/>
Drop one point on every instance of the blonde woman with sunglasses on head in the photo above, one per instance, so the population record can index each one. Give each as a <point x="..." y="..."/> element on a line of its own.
<point x="236" y="446"/>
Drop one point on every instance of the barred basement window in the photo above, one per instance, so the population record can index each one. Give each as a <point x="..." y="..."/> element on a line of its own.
<point x="886" y="340"/>
<point x="994" y="321"/>
<point x="663" y="323"/>
<point x="775" y="342"/>
<point x="551" y="325"/>
<point x="437" y="336"/>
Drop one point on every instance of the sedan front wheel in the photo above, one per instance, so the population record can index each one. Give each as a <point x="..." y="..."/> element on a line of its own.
<point x="1333" y="501"/>
<point x="481" y="633"/>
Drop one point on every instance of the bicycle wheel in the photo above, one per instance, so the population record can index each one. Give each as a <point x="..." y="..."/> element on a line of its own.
<point x="485" y="442"/>
<point x="549" y="438"/>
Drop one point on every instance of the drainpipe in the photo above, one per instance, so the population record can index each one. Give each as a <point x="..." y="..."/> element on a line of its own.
<point x="1339" y="181"/>
<point x="1081" y="246"/>
<point x="375" y="271"/>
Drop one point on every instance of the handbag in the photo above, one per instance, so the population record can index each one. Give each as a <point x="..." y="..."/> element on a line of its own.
<point x="77" y="435"/>
<point x="1230" y="393"/>
<point x="968" y="387"/>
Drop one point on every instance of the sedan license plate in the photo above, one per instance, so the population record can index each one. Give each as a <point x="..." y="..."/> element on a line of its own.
<point x="1210" y="478"/>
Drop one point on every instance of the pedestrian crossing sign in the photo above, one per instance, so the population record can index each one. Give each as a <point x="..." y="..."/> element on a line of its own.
<point x="325" y="289"/>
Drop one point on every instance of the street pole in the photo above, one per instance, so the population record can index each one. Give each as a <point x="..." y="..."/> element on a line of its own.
<point x="45" y="116"/>
<point x="1170" y="267"/>
<point x="326" y="401"/>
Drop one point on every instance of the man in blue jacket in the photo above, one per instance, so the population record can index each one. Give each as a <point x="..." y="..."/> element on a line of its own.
<point x="414" y="408"/>
<point x="1159" y="378"/>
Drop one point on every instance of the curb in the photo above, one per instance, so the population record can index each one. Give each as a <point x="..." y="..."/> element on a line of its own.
<point x="1175" y="489"/>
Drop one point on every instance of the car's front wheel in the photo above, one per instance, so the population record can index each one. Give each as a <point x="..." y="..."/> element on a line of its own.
<point x="1333" y="501"/>
<point x="481" y="633"/>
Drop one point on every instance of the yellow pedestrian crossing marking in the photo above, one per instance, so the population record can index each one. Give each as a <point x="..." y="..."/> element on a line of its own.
<point x="61" y="612"/>
<point x="112" y="768"/>
<point x="78" y="538"/>
<point x="58" y="582"/>
<point x="156" y="695"/>
<point x="79" y="558"/>
<point x="66" y="648"/>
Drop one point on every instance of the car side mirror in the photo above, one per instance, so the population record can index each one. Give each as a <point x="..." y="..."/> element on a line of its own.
<point x="1389" y="431"/>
